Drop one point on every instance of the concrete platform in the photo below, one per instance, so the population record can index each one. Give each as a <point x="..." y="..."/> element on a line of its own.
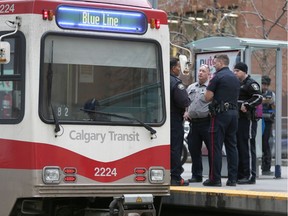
<point x="268" y="196"/>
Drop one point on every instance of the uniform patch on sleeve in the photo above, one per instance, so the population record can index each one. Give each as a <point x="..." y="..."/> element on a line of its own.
<point x="181" y="86"/>
<point x="255" y="86"/>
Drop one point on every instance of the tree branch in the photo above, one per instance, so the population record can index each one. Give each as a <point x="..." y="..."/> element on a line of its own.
<point x="278" y="19"/>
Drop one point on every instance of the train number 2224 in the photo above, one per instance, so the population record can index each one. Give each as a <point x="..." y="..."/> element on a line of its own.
<point x="102" y="171"/>
<point x="7" y="8"/>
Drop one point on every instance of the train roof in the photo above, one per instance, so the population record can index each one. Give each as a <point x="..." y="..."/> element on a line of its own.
<point x="131" y="3"/>
<point x="134" y="3"/>
<point x="37" y="6"/>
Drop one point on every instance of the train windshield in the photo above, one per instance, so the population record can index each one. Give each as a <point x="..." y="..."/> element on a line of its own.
<point x="87" y="79"/>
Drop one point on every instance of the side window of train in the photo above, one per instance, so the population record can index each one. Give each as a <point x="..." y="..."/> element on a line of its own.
<point x="12" y="74"/>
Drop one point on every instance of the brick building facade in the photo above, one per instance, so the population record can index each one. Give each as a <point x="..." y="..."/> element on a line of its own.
<point x="191" y="20"/>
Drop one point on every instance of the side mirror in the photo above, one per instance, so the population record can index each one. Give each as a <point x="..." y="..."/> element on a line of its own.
<point x="4" y="52"/>
<point x="184" y="64"/>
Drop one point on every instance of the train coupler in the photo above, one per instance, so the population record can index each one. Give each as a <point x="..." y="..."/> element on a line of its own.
<point x="134" y="205"/>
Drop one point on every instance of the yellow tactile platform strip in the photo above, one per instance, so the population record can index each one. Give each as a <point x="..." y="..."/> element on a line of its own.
<point x="237" y="193"/>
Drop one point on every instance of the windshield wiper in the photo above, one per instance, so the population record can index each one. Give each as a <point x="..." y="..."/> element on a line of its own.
<point x="49" y="91"/>
<point x="152" y="131"/>
<point x="56" y="120"/>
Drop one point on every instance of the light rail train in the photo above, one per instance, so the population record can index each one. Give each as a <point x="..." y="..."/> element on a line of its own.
<point x="84" y="107"/>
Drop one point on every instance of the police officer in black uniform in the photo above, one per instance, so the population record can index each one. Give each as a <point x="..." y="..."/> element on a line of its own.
<point x="249" y="97"/>
<point x="268" y="118"/>
<point x="223" y="91"/>
<point x="179" y="101"/>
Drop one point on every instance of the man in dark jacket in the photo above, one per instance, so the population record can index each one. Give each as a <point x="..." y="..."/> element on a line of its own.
<point x="179" y="101"/>
<point x="249" y="97"/>
<point x="223" y="90"/>
<point x="268" y="118"/>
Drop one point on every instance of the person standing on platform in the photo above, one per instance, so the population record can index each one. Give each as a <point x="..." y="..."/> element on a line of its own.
<point x="253" y="153"/>
<point x="268" y="118"/>
<point x="179" y="101"/>
<point x="249" y="97"/>
<point x="223" y="90"/>
<point x="198" y="116"/>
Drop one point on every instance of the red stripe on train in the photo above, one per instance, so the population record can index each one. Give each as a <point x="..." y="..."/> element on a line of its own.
<point x="27" y="155"/>
<point x="37" y="6"/>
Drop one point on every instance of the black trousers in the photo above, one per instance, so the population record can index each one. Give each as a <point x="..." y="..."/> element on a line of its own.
<point x="253" y="149"/>
<point x="244" y="135"/>
<point x="177" y="137"/>
<point x="223" y="128"/>
<point x="266" y="150"/>
<point x="199" y="132"/>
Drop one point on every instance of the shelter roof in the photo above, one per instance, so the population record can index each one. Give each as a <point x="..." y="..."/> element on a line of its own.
<point x="229" y="43"/>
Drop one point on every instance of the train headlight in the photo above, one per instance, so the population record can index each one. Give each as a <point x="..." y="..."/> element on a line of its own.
<point x="156" y="175"/>
<point x="51" y="175"/>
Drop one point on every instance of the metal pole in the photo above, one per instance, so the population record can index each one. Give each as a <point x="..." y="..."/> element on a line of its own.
<point x="247" y="57"/>
<point x="278" y="96"/>
<point x="154" y="3"/>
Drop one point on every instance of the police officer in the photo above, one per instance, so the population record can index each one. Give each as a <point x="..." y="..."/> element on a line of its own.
<point x="268" y="118"/>
<point x="223" y="91"/>
<point x="179" y="101"/>
<point x="198" y="116"/>
<point x="249" y="97"/>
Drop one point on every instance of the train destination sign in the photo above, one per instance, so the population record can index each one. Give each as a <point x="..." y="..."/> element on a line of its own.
<point x="106" y="20"/>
